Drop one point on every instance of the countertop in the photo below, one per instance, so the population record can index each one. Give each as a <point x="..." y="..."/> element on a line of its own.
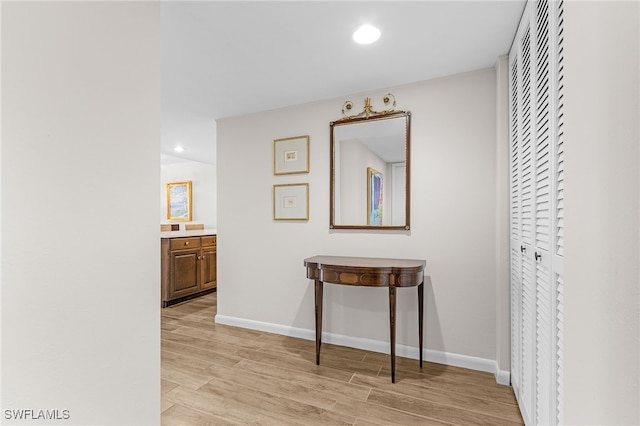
<point x="194" y="233"/>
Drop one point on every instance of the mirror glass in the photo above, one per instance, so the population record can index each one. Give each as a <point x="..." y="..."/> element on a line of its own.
<point x="370" y="172"/>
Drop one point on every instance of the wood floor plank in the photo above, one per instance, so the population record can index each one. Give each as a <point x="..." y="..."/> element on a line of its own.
<point x="177" y="415"/>
<point x="165" y="405"/>
<point x="166" y="386"/>
<point x="432" y="368"/>
<point x="343" y="352"/>
<point x="436" y="411"/>
<point x="169" y="325"/>
<point x="287" y="410"/>
<point x="214" y="374"/>
<point x="336" y="388"/>
<point x="307" y="349"/>
<point x="234" y="332"/>
<point x="440" y="396"/>
<point x="183" y="361"/>
<point x="198" y="353"/>
<point x="214" y="334"/>
<point x="331" y="361"/>
<point x="362" y="422"/>
<point x="446" y="382"/>
<point x="181" y="377"/>
<point x="294" y="364"/>
<point x="195" y="305"/>
<point x="220" y="407"/>
<point x="382" y="415"/>
<point x="296" y="391"/>
<point x="285" y="343"/>
<point x="221" y="347"/>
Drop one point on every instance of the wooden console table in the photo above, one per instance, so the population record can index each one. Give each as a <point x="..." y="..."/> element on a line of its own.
<point x="370" y="272"/>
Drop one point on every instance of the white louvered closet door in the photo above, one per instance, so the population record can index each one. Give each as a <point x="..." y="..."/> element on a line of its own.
<point x="544" y="315"/>
<point x="515" y="231"/>
<point x="536" y="187"/>
<point x="557" y="267"/>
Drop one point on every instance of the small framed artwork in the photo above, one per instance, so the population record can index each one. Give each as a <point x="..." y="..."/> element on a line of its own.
<point x="291" y="155"/>
<point x="291" y="201"/>
<point x="374" y="197"/>
<point x="179" y="200"/>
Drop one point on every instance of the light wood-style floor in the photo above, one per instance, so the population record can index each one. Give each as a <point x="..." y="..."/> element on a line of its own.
<point x="220" y="375"/>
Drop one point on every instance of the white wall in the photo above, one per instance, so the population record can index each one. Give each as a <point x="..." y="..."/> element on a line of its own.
<point x="203" y="190"/>
<point x="79" y="233"/>
<point x="261" y="281"/>
<point x="355" y="160"/>
<point x="502" y="221"/>
<point x="602" y="234"/>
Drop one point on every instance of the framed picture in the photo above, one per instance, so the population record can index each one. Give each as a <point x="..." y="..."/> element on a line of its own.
<point x="374" y="197"/>
<point x="291" y="155"/>
<point x="179" y="200"/>
<point x="291" y="201"/>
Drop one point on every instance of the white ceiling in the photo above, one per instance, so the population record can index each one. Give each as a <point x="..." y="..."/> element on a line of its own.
<point x="222" y="59"/>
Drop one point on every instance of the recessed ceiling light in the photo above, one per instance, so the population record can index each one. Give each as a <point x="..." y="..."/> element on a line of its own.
<point x="366" y="34"/>
<point x="178" y="148"/>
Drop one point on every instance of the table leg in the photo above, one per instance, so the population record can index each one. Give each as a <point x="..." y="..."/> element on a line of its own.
<point x="318" y="300"/>
<point x="420" y="317"/>
<point x="392" y="325"/>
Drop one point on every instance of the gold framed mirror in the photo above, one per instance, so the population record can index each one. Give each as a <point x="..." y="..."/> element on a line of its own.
<point x="370" y="158"/>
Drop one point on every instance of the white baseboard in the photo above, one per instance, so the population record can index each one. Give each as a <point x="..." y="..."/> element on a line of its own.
<point x="464" y="361"/>
<point x="503" y="377"/>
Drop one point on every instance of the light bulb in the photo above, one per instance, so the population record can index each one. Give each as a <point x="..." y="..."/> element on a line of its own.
<point x="366" y="34"/>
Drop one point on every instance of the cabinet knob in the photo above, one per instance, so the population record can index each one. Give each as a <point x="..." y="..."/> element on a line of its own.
<point x="538" y="256"/>
<point x="186" y="243"/>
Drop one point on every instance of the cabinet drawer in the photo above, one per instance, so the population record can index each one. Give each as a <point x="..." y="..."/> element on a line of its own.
<point x="209" y="241"/>
<point x="185" y="243"/>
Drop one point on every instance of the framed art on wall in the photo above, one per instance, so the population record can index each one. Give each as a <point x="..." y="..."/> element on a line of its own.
<point x="291" y="155"/>
<point x="179" y="200"/>
<point x="374" y="197"/>
<point x="291" y="201"/>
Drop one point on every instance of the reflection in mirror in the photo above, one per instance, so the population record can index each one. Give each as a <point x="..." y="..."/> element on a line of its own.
<point x="369" y="172"/>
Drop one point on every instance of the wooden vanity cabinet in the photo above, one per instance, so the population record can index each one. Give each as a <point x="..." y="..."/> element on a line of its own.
<point x="208" y="262"/>
<point x="188" y="267"/>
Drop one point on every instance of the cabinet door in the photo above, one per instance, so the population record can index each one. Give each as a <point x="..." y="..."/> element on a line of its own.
<point x="185" y="273"/>
<point x="208" y="266"/>
<point x="522" y="188"/>
<point x="537" y="211"/>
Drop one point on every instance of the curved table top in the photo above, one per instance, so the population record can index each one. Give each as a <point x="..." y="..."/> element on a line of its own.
<point x="366" y="271"/>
